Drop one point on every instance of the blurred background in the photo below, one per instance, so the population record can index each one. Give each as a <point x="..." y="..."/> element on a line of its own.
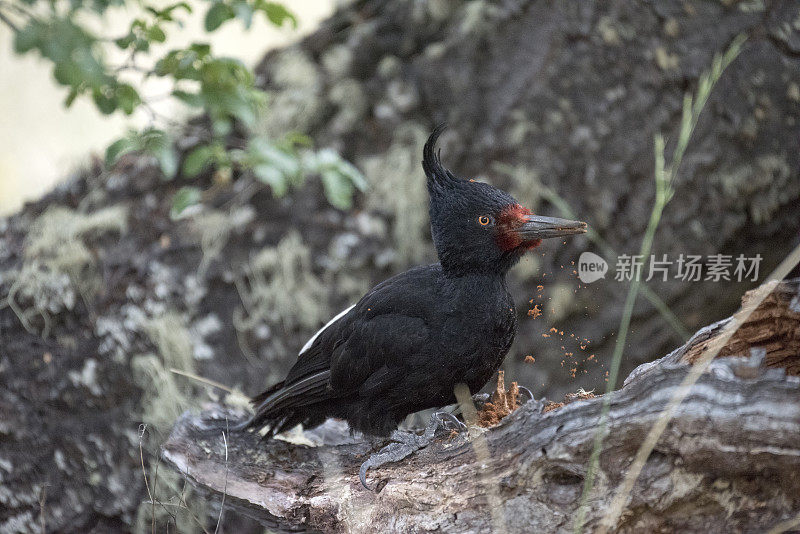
<point x="216" y="205"/>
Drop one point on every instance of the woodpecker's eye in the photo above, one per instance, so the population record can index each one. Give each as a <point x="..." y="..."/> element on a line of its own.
<point x="484" y="220"/>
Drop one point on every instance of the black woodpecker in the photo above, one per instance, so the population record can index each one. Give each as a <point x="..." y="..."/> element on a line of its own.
<point x="412" y="338"/>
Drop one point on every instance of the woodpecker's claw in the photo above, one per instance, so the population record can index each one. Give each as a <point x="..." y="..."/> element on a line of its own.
<point x="525" y="392"/>
<point x="406" y="443"/>
<point x="480" y="400"/>
<point x="444" y="421"/>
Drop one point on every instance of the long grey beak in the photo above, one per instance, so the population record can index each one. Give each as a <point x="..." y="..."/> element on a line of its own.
<point x="538" y="227"/>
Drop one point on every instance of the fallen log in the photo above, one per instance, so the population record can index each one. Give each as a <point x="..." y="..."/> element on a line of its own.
<point x="728" y="461"/>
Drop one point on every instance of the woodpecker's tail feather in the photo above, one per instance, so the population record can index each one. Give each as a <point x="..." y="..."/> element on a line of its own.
<point x="264" y="395"/>
<point x="283" y="406"/>
<point x="255" y="420"/>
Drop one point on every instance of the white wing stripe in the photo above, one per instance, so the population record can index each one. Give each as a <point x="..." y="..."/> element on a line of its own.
<point x="315" y="336"/>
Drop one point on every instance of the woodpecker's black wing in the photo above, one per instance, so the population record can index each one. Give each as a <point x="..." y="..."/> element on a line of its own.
<point x="361" y="352"/>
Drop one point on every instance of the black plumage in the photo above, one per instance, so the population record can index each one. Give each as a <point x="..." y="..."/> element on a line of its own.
<point x="407" y="343"/>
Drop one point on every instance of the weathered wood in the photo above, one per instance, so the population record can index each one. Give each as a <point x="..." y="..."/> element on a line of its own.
<point x="728" y="461"/>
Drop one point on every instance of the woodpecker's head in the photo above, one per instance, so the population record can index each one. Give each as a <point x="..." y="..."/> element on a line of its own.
<point x="479" y="228"/>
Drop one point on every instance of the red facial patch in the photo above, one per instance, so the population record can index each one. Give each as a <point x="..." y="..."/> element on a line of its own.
<point x="509" y="220"/>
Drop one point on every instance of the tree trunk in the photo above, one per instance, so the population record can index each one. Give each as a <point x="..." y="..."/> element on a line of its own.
<point x="727" y="462"/>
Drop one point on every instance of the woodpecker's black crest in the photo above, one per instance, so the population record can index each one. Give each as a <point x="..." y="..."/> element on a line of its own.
<point x="411" y="339"/>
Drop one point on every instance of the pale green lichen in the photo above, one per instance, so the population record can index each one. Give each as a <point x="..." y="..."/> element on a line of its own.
<point x="58" y="264"/>
<point x="37" y="290"/>
<point x="477" y="18"/>
<point x="164" y="398"/>
<point x="666" y="60"/>
<point x="171" y="337"/>
<point x="214" y="228"/>
<point x="57" y="235"/>
<point x="765" y="186"/>
<point x="337" y="61"/>
<point x="348" y="96"/>
<point x="397" y="186"/>
<point x="614" y="32"/>
<point x="278" y="288"/>
<point x="166" y="395"/>
<point x="440" y="10"/>
<point x="299" y="103"/>
<point x="530" y="268"/>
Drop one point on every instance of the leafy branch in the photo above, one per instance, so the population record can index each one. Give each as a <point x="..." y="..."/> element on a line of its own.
<point x="220" y="89"/>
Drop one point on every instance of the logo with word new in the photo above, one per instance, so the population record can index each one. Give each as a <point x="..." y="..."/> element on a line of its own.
<point x="591" y="267"/>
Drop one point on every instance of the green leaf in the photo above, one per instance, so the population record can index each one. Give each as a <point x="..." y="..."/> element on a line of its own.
<point x="27" y="38"/>
<point x="67" y="73"/>
<point x="244" y="12"/>
<point x="221" y="126"/>
<point x="197" y="160"/>
<point x="190" y="99"/>
<point x="168" y="161"/>
<point x="167" y="12"/>
<point x="166" y="65"/>
<point x="71" y="96"/>
<point x="277" y="14"/>
<point x="217" y="15"/>
<point x="184" y="197"/>
<point x="91" y="71"/>
<point x="125" y="42"/>
<point x="262" y="151"/>
<point x="338" y="189"/>
<point x="127" y="98"/>
<point x="339" y="177"/>
<point x="159" y="145"/>
<point x="119" y="148"/>
<point x="156" y="34"/>
<point x="239" y="108"/>
<point x="182" y="5"/>
<point x="201" y="49"/>
<point x="104" y="103"/>
<point x="354" y="175"/>
<point x="270" y="175"/>
<point x="141" y="45"/>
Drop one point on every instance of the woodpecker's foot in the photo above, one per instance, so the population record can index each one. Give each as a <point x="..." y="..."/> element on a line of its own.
<point x="444" y="421"/>
<point x="480" y="400"/>
<point x="404" y="444"/>
<point x="526" y="393"/>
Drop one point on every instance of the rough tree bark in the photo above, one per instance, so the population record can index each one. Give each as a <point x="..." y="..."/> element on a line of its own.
<point x="727" y="462"/>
